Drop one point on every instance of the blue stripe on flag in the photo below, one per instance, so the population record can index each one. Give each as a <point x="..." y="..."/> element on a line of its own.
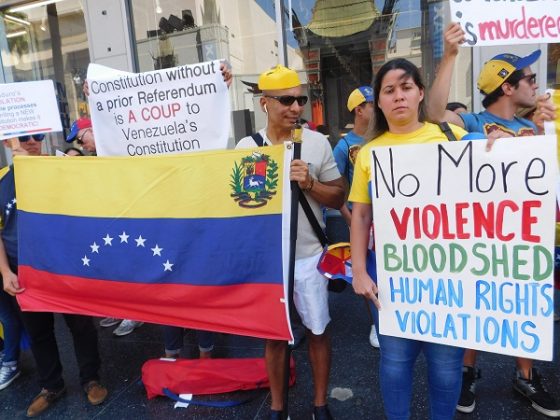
<point x="220" y="251"/>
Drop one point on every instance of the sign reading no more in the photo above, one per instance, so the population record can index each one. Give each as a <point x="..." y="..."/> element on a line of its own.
<point x="464" y="242"/>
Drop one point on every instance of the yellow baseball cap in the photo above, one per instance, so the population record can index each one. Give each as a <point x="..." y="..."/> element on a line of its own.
<point x="277" y="78"/>
<point x="359" y="96"/>
<point x="498" y="69"/>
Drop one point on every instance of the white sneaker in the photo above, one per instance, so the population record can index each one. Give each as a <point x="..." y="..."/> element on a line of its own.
<point x="126" y="327"/>
<point x="8" y="373"/>
<point x="373" y="340"/>
<point x="109" y="322"/>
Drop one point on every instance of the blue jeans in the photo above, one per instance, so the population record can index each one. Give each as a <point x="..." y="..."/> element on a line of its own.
<point x="173" y="339"/>
<point x="13" y="327"/>
<point x="445" y="364"/>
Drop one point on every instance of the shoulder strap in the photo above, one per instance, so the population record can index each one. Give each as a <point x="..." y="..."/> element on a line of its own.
<point x="312" y="219"/>
<point x="258" y="139"/>
<point x="444" y="126"/>
<point x="347" y="168"/>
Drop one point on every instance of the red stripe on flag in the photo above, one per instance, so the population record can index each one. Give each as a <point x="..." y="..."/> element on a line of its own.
<point x="246" y="309"/>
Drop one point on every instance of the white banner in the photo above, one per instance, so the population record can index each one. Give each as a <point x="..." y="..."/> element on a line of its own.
<point x="28" y="108"/>
<point x="465" y="243"/>
<point x="170" y="111"/>
<point x="507" y="22"/>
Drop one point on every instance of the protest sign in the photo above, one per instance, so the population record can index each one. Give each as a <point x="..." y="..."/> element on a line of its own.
<point x="465" y="241"/>
<point x="507" y="22"/>
<point x="28" y="108"/>
<point x="171" y="111"/>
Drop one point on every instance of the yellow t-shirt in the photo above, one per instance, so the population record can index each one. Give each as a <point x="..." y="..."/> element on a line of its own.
<point x="428" y="133"/>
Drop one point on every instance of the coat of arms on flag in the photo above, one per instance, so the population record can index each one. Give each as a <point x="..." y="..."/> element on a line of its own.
<point x="254" y="181"/>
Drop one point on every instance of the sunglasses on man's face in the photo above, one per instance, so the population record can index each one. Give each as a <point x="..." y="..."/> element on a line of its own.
<point x="288" y="100"/>
<point x="36" y="137"/>
<point x="531" y="78"/>
<point x="80" y="139"/>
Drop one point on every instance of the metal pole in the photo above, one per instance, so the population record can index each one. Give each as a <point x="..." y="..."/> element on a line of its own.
<point x="292" y="259"/>
<point x="280" y="38"/>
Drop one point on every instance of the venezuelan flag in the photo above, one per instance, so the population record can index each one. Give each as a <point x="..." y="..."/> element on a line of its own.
<point x="196" y="240"/>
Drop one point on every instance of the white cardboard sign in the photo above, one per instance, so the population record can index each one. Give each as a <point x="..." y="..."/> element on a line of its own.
<point x="28" y="108"/>
<point x="507" y="22"/>
<point x="170" y="111"/>
<point x="465" y="243"/>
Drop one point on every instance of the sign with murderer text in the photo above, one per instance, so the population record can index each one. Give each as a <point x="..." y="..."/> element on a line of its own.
<point x="465" y="243"/>
<point x="506" y="22"/>
<point x="170" y="111"/>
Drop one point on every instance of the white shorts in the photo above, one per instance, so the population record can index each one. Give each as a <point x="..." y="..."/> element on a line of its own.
<point x="311" y="296"/>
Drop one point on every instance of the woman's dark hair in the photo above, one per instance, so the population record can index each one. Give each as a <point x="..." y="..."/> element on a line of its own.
<point x="80" y="153"/>
<point x="512" y="80"/>
<point x="452" y="106"/>
<point x="378" y="124"/>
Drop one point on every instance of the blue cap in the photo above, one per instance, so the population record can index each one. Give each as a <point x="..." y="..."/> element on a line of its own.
<point x="78" y="125"/>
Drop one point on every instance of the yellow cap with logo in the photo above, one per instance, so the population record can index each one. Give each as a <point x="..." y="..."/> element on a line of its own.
<point x="498" y="69"/>
<point x="277" y="78"/>
<point x="359" y="96"/>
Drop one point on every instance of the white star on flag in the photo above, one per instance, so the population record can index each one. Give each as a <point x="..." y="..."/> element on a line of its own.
<point x="14" y="201"/>
<point x="167" y="266"/>
<point x="86" y="260"/>
<point x="94" y="248"/>
<point x="9" y="205"/>
<point x="124" y="237"/>
<point x="140" y="241"/>
<point x="157" y="250"/>
<point x="108" y="240"/>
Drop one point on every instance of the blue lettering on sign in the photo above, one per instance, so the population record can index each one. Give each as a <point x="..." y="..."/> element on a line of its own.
<point x="536" y="340"/>
<point x="441" y="292"/>
<point x="520" y="298"/>
<point x="506" y="333"/>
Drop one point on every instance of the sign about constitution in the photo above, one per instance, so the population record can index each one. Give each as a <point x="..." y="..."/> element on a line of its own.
<point x="507" y="22"/>
<point x="28" y="108"/>
<point x="465" y="243"/>
<point x="170" y="111"/>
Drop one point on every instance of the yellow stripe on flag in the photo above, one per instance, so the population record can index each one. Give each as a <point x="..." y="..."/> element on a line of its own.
<point x="161" y="186"/>
<point x="4" y="171"/>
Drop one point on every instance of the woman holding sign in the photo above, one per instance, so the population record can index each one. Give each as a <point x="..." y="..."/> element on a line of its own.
<point x="399" y="118"/>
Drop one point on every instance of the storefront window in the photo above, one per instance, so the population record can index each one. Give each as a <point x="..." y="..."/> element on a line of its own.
<point x="170" y="33"/>
<point x="41" y="42"/>
<point x="342" y="43"/>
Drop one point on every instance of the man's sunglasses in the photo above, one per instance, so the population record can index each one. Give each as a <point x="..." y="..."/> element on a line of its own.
<point x="531" y="78"/>
<point x="80" y="139"/>
<point x="288" y="100"/>
<point x="36" y="137"/>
